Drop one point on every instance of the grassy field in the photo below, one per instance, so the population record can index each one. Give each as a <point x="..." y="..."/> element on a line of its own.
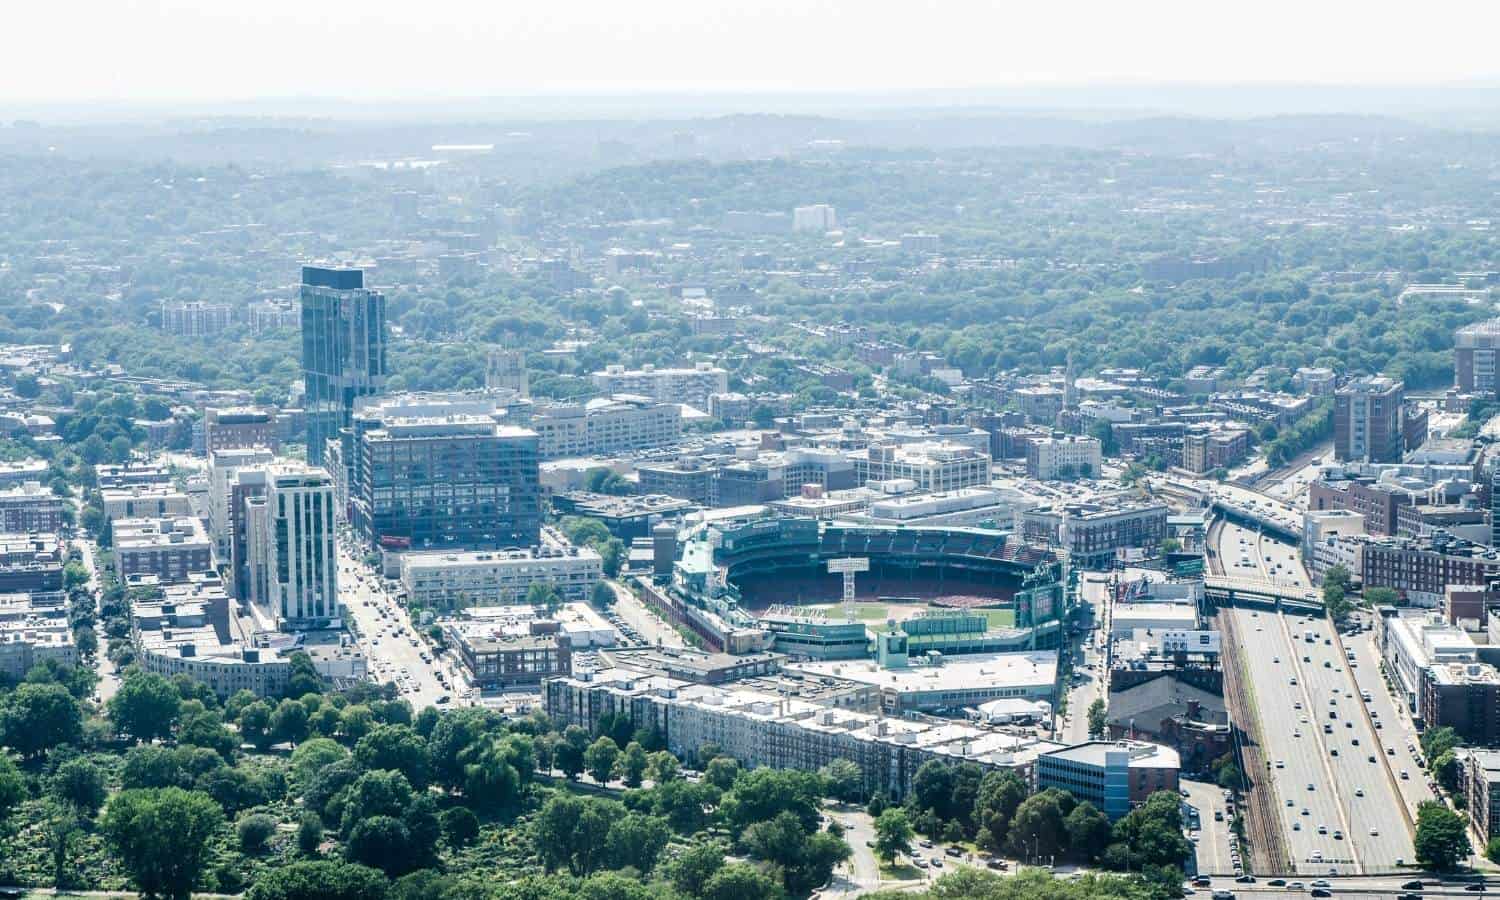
<point x="876" y="614"/>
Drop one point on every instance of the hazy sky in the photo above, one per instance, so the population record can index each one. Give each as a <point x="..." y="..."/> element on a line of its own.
<point x="373" y="49"/>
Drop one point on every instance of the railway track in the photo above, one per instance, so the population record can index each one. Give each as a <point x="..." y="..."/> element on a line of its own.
<point x="1268" y="850"/>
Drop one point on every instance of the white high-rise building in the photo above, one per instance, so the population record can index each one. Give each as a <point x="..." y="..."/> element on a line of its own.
<point x="223" y="468"/>
<point x="291" y="532"/>
<point x="819" y="217"/>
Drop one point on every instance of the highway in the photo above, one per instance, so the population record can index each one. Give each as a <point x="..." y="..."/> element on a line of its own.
<point x="1328" y="776"/>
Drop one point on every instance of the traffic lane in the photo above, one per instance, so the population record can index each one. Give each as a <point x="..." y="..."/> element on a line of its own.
<point x="1380" y="807"/>
<point x="366" y="602"/>
<point x="1296" y="740"/>
<point x="1291" y="742"/>
<point x="1396" y="730"/>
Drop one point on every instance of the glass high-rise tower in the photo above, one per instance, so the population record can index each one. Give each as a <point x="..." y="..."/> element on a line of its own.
<point x="343" y="349"/>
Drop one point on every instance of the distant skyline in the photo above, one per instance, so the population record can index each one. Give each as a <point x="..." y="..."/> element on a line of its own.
<point x="196" y="51"/>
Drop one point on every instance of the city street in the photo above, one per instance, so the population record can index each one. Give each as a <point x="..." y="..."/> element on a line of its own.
<point x="109" y="680"/>
<point x="1212" y="840"/>
<point x="647" y="624"/>
<point x="394" y="647"/>
<point x="1092" y="668"/>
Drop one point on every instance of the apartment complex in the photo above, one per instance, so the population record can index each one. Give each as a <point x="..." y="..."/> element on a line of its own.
<point x="791" y="725"/>
<point x="290" y="547"/>
<point x="151" y="501"/>
<point x="343" y="349"/>
<point x="602" y="427"/>
<point x="28" y="507"/>
<point x="1206" y="450"/>
<point x="446" y="580"/>
<point x="239" y="427"/>
<point x="1367" y="420"/>
<point x="1476" y="358"/>
<point x="170" y="549"/>
<point x="194" y="318"/>
<point x="670" y="385"/>
<point x="1063" y="457"/>
<point x="463" y="481"/>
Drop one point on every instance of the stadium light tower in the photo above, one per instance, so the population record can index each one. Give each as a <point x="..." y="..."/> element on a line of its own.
<point x="847" y="567"/>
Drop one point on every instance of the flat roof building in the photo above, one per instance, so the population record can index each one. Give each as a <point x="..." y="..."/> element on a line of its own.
<point x="1112" y="775"/>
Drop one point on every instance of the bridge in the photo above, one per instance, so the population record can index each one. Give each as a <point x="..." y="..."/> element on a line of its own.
<point x="1230" y="591"/>
<point x="1262" y="521"/>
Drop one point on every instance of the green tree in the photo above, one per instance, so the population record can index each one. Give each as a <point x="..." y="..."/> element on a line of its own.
<point x="1437" y="741"/>
<point x="1492" y="850"/>
<point x="637" y="841"/>
<point x="602" y="595"/>
<point x="1336" y="602"/>
<point x="396" y="747"/>
<point x="379" y="793"/>
<point x="664" y="767"/>
<point x="38" y="717"/>
<point x="381" y="842"/>
<point x="145" y="707"/>
<point x="1381" y="596"/>
<point x="1037" y="830"/>
<point x="1445" y="770"/>
<point x="1442" y="840"/>
<point x="1088" y="831"/>
<point x="1000" y="793"/>
<point x="633" y="763"/>
<point x="600" y="758"/>
<point x="690" y="871"/>
<point x="893" y="834"/>
<point x="722" y="771"/>
<point x="312" y="757"/>
<point x="543" y="594"/>
<point x="79" y="784"/>
<point x="290" y="722"/>
<point x="255" y="724"/>
<point x="12" y="786"/>
<point x="309" y="834"/>
<point x="460" y="826"/>
<point x="1097" y="718"/>
<point x="738" y="881"/>
<point x="568" y="754"/>
<point x="843" y="780"/>
<point x="254" y="832"/>
<point x="161" y="837"/>
<point x="318" y="880"/>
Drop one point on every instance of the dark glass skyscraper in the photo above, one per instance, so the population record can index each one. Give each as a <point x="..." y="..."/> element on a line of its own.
<point x="343" y="349"/>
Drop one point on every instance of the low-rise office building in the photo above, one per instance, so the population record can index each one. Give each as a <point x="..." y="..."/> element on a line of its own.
<point x="170" y="548"/>
<point x="943" y="683"/>
<point x="145" y="501"/>
<point x="33" y="629"/>
<point x="445" y="580"/>
<point x="1093" y="533"/>
<point x="31" y="563"/>
<point x="1112" y="775"/>
<point x="780" y="727"/>
<point x="1063" y="457"/>
<point x="30" y="507"/>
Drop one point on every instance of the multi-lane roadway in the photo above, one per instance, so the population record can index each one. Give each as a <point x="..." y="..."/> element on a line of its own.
<point x="1336" y="788"/>
<point x="392" y="643"/>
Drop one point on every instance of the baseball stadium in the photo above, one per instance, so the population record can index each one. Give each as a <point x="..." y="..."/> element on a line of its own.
<point x="749" y="571"/>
